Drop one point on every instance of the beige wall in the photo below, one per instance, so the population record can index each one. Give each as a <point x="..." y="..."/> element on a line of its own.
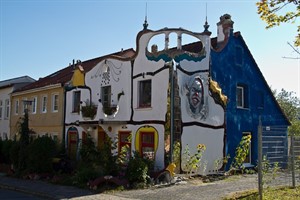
<point x="49" y="122"/>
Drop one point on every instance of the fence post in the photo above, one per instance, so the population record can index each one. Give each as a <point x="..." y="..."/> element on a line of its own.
<point x="259" y="141"/>
<point x="293" y="161"/>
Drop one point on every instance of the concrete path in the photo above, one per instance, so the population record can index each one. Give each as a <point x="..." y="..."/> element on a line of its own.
<point x="188" y="190"/>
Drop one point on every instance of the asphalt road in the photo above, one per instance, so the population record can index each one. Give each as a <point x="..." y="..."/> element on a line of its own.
<point x="6" y="194"/>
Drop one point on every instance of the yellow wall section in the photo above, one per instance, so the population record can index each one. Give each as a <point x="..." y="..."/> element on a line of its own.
<point x="148" y="129"/>
<point x="78" y="78"/>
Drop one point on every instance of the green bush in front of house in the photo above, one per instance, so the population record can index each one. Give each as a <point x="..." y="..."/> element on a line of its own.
<point x="40" y="155"/>
<point x="5" y="146"/>
<point x="138" y="169"/>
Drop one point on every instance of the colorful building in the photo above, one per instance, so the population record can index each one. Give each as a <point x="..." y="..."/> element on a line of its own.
<point x="130" y="98"/>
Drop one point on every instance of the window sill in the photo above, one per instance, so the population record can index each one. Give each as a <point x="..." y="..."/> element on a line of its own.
<point x="143" y="108"/>
<point x="243" y="108"/>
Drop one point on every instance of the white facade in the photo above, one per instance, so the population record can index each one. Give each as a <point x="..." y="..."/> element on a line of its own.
<point x="137" y="89"/>
<point x="5" y="106"/>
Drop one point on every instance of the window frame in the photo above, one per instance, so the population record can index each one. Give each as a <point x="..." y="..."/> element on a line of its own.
<point x="17" y="106"/>
<point x="144" y="97"/>
<point x="44" y="104"/>
<point x="121" y="143"/>
<point x="55" y="102"/>
<point x="242" y="103"/>
<point x="34" y="105"/>
<point x="1" y="109"/>
<point x="146" y="144"/>
<point x="6" y="109"/>
<point x="24" y="105"/>
<point x="76" y="101"/>
<point x="106" y="96"/>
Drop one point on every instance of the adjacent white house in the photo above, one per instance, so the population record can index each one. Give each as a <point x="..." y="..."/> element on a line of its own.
<point x="6" y="88"/>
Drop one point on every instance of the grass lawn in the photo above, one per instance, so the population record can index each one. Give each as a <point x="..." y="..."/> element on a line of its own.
<point x="269" y="194"/>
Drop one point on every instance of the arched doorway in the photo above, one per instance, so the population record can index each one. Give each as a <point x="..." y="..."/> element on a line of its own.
<point x="72" y="142"/>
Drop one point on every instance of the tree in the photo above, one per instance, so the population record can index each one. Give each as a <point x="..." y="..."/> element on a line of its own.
<point x="290" y="105"/>
<point x="273" y="13"/>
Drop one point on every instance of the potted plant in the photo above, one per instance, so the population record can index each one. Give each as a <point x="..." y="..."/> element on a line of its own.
<point x="110" y="110"/>
<point x="89" y="110"/>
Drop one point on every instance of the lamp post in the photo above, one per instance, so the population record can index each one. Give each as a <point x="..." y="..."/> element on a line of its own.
<point x="24" y="129"/>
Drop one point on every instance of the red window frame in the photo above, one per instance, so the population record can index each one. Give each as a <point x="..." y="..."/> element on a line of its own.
<point x="144" y="144"/>
<point x="123" y="143"/>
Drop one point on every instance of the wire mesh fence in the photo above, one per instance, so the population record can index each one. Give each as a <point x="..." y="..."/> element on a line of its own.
<point x="280" y="152"/>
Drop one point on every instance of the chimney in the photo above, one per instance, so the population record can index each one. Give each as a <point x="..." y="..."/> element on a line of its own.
<point x="224" y="26"/>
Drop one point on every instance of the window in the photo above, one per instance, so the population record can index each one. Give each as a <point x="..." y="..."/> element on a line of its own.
<point x="34" y="104"/>
<point x="144" y="92"/>
<point x="241" y="97"/>
<point x="147" y="145"/>
<point x="7" y="106"/>
<point x="24" y="104"/>
<point x="76" y="101"/>
<point x="17" y="105"/>
<point x="55" y="103"/>
<point x="106" y="96"/>
<point x="247" y="161"/>
<point x="44" y="104"/>
<point x="1" y="108"/>
<point x="125" y="144"/>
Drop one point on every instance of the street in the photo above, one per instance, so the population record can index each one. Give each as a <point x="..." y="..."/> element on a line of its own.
<point x="6" y="194"/>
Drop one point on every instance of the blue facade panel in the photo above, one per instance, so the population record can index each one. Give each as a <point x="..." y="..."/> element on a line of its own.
<point x="234" y="67"/>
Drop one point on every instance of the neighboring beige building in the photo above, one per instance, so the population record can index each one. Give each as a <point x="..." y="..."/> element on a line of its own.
<point x="6" y="88"/>
<point x="45" y="108"/>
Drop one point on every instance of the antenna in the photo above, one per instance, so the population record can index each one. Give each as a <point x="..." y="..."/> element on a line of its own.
<point x="206" y="26"/>
<point x="206" y="11"/>
<point x="145" y="22"/>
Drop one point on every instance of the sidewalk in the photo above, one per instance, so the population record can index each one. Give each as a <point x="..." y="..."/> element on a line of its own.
<point x="50" y="191"/>
<point x="189" y="191"/>
<point x="42" y="189"/>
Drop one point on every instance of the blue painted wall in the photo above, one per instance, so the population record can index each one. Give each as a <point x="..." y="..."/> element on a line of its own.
<point x="232" y="66"/>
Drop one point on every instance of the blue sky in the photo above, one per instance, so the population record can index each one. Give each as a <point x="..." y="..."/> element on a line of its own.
<point x="39" y="37"/>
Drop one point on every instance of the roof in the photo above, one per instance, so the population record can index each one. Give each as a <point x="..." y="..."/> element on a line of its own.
<point x="218" y="47"/>
<point x="65" y="75"/>
<point x="14" y="81"/>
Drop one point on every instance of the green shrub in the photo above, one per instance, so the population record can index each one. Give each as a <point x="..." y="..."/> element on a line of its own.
<point x="137" y="170"/>
<point x="241" y="152"/>
<point x="86" y="173"/>
<point x="103" y="157"/>
<point x="88" y="152"/>
<point x="14" y="155"/>
<point x="40" y="155"/>
<point x="192" y="162"/>
<point x="5" y="149"/>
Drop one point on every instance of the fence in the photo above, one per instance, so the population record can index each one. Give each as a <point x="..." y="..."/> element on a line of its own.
<point x="279" y="157"/>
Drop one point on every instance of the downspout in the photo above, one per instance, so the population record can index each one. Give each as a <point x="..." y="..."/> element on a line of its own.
<point x="64" y="122"/>
<point x="172" y="111"/>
